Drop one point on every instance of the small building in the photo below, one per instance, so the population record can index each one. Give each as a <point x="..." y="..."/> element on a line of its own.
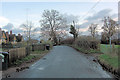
<point x="12" y="38"/>
<point x="5" y="37"/>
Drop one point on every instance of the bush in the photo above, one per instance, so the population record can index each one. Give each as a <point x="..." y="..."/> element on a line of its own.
<point x="48" y="42"/>
<point x="7" y="45"/>
<point x="114" y="41"/>
<point x="87" y="42"/>
<point x="67" y="41"/>
<point x="19" y="44"/>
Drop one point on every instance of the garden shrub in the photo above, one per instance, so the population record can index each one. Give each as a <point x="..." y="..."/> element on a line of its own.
<point x="87" y="42"/>
<point x="68" y="41"/>
<point x="7" y="45"/>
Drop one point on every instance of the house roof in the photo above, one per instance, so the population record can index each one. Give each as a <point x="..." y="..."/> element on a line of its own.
<point x="11" y="36"/>
<point x="3" y="32"/>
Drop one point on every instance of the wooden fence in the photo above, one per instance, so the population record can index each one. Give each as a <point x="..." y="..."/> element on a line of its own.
<point x="37" y="47"/>
<point x="16" y="53"/>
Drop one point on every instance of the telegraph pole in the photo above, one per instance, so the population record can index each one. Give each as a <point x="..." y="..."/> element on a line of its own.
<point x="119" y="22"/>
<point x="28" y="52"/>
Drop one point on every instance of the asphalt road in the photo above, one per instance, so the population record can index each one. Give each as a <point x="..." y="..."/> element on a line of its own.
<point x="64" y="62"/>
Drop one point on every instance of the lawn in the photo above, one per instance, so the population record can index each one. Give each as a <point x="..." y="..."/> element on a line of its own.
<point x="107" y="49"/>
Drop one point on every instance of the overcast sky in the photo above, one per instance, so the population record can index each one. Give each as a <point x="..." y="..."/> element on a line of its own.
<point x="14" y="13"/>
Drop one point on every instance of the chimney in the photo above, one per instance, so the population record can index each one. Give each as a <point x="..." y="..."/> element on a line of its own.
<point x="7" y="34"/>
<point x="0" y="33"/>
<point x="11" y="32"/>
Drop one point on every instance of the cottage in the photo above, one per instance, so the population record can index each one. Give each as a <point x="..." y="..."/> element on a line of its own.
<point x="5" y="37"/>
<point x="2" y="37"/>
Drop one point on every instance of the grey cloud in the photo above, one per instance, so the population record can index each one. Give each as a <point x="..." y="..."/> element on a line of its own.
<point x="71" y="18"/>
<point x="85" y="33"/>
<point x="100" y="14"/>
<point x="98" y="17"/>
<point x="16" y="31"/>
<point x="9" y="26"/>
<point x="84" y="25"/>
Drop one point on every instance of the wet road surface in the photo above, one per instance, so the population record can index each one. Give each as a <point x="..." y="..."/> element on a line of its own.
<point x="63" y="62"/>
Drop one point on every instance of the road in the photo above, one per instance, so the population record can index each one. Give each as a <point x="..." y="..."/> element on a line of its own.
<point x="64" y="62"/>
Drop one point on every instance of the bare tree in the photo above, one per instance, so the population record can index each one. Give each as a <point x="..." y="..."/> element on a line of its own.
<point x="29" y="32"/>
<point x="109" y="28"/>
<point x="28" y="29"/>
<point x="93" y="30"/>
<point x="51" y="23"/>
<point x="61" y="35"/>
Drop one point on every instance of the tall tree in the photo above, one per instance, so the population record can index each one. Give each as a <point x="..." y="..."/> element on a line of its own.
<point x="73" y="31"/>
<point x="93" y="30"/>
<point x="52" y="22"/>
<point x="109" y="28"/>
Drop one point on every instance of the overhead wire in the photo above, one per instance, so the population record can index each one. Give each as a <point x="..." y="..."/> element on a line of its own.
<point x="91" y="9"/>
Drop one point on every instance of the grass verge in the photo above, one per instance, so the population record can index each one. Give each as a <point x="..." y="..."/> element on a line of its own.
<point x="39" y="52"/>
<point x="0" y="49"/>
<point x="23" y="60"/>
<point x="87" y="51"/>
<point x="35" y="55"/>
<point x="111" y="61"/>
